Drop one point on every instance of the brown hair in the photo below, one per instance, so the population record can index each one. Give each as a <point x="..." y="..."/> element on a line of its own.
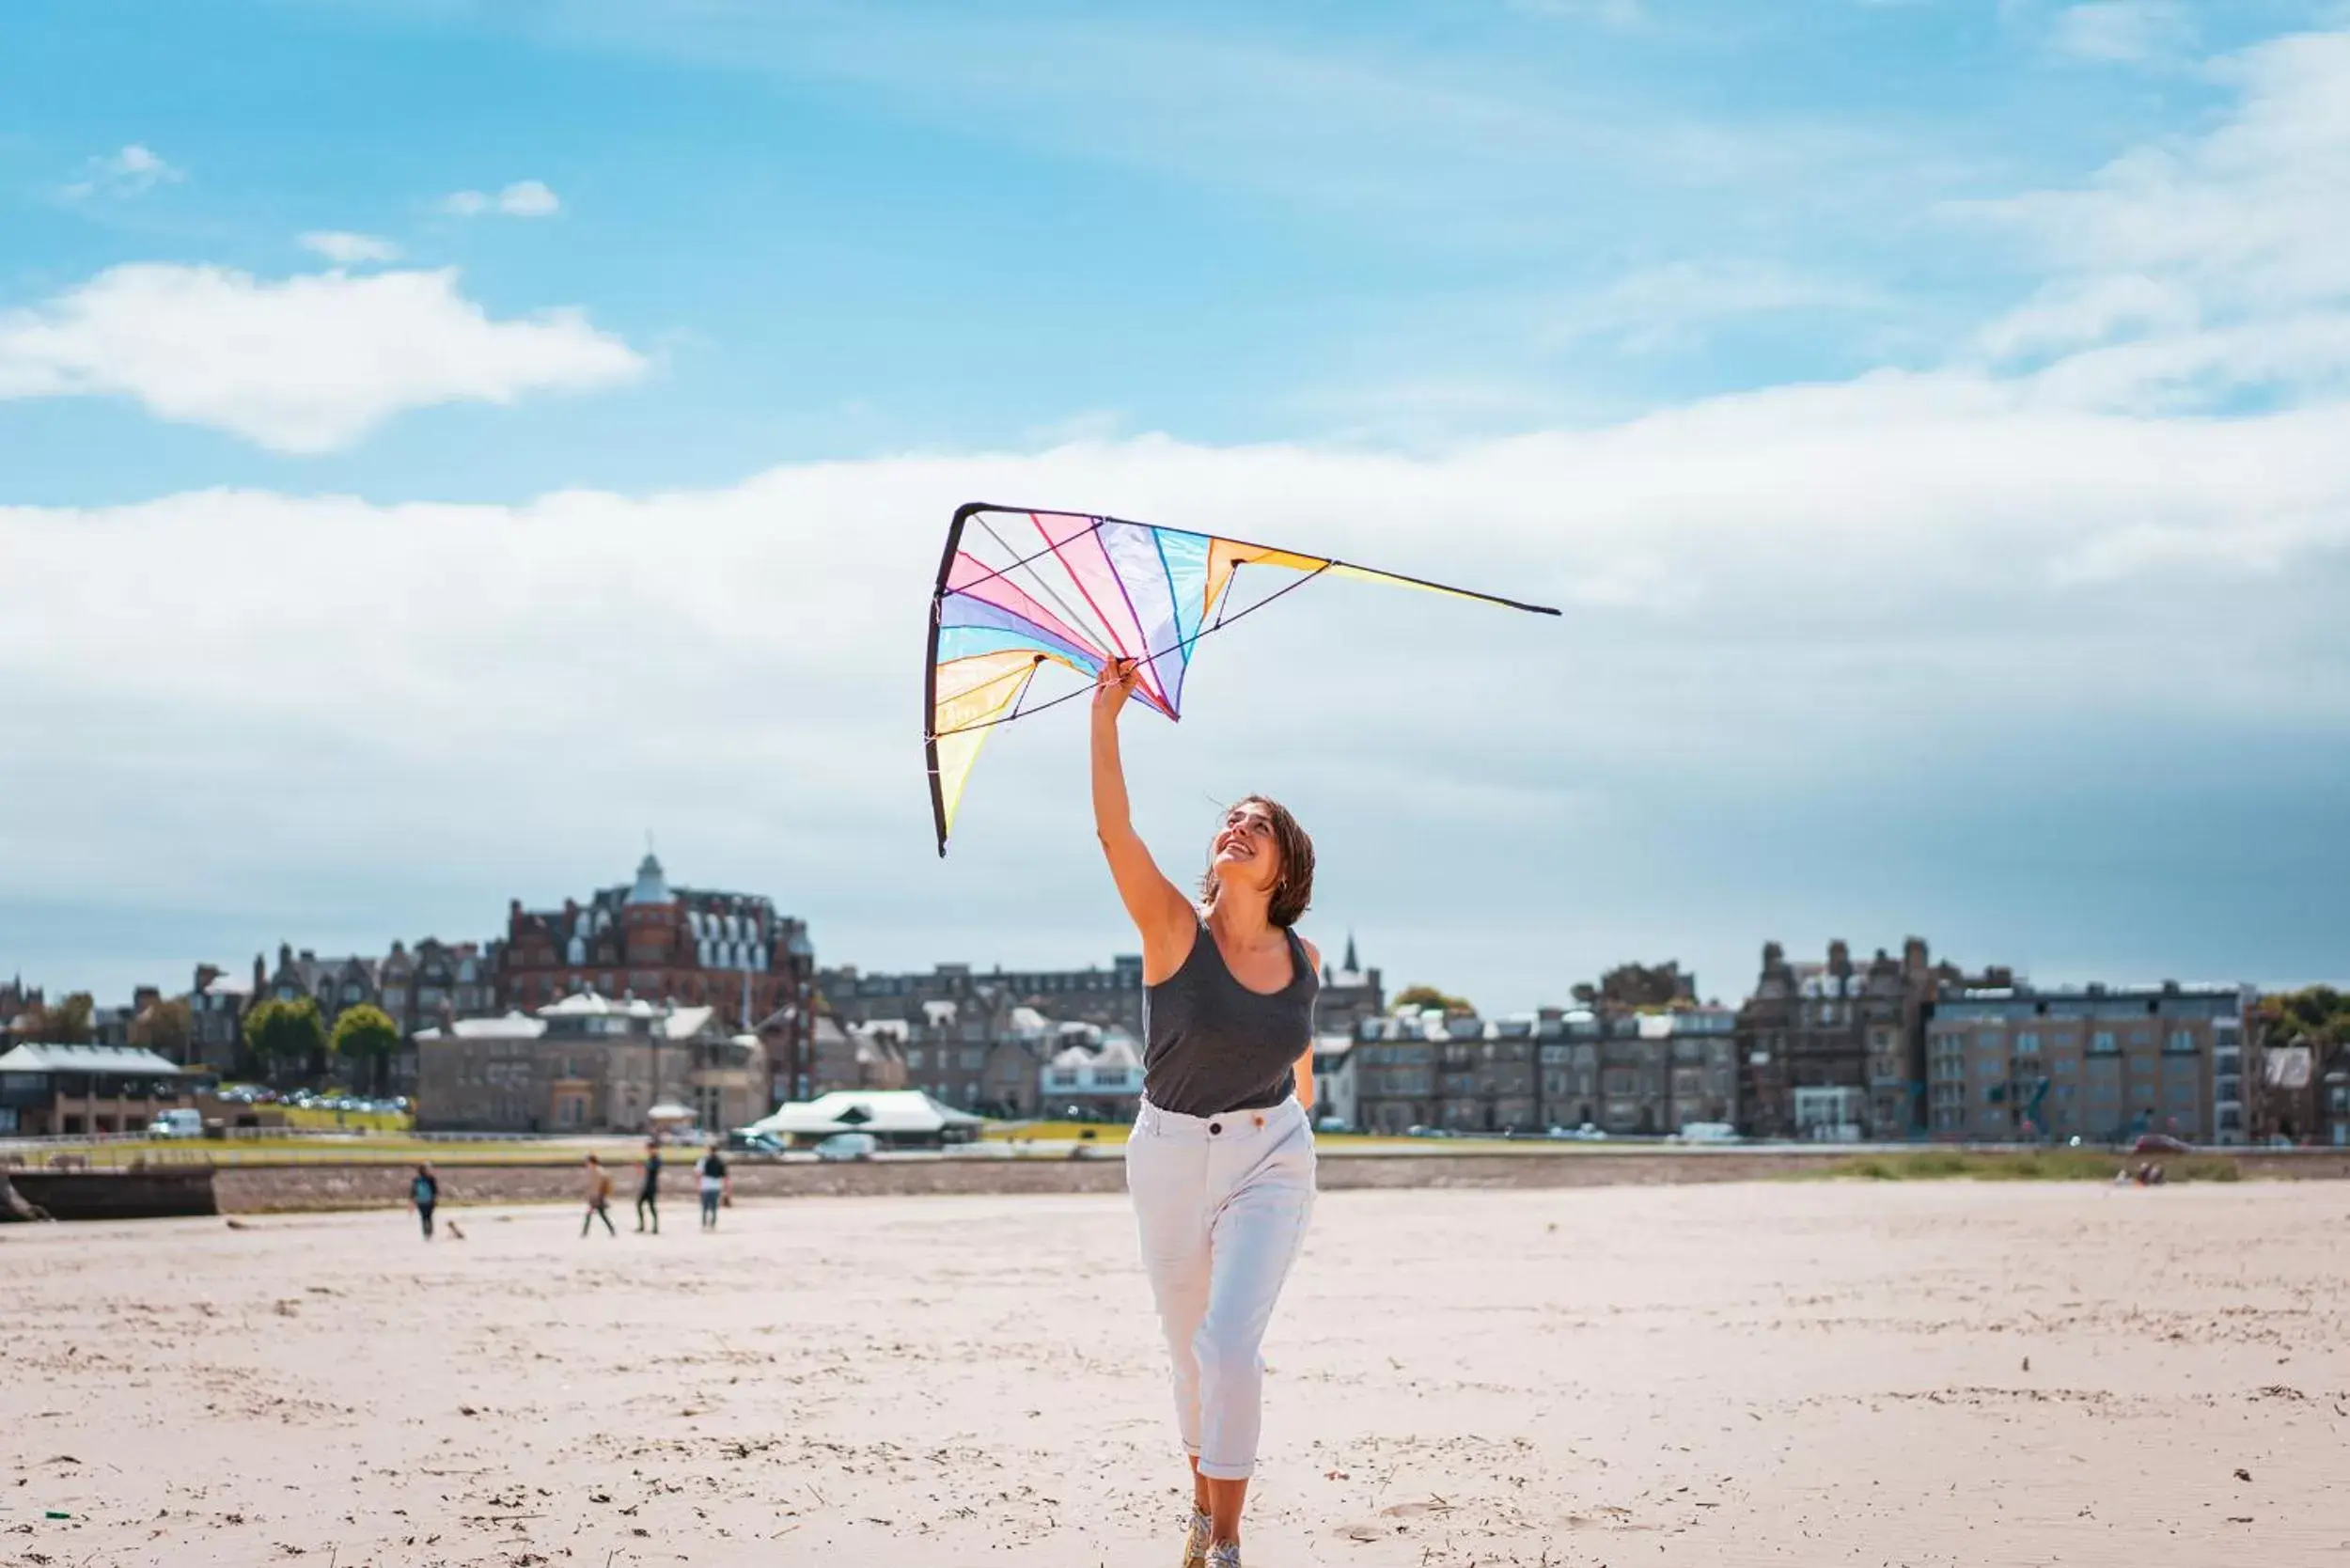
<point x="1294" y="892"/>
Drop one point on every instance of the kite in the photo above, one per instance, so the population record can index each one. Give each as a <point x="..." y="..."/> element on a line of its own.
<point x="1018" y="589"/>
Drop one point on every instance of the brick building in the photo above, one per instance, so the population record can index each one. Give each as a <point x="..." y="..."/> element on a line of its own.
<point x="2104" y="1063"/>
<point x="728" y="951"/>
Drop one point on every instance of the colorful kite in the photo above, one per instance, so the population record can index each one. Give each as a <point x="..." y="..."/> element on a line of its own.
<point x="1017" y="589"/>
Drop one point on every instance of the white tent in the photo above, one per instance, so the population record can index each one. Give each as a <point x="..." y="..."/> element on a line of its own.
<point x="892" y="1115"/>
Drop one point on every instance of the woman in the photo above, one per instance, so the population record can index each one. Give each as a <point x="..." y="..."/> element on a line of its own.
<point x="1221" y="1163"/>
<point x="599" y="1193"/>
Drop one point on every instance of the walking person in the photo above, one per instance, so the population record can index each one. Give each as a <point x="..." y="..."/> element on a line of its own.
<point x="648" y="1195"/>
<point x="599" y="1199"/>
<point x="1221" y="1162"/>
<point x="716" y="1183"/>
<point x="424" y="1191"/>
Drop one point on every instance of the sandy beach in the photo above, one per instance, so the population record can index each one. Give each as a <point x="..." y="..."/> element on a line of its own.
<point x="1805" y="1372"/>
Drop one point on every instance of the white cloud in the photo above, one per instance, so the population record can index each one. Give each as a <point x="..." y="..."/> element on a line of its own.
<point x="305" y="364"/>
<point x="1670" y="306"/>
<point x="349" y="250"/>
<point x="2206" y="267"/>
<point x="1767" y="596"/>
<point x="524" y="198"/>
<point x="529" y="198"/>
<point x="133" y="171"/>
<point x="2124" y="31"/>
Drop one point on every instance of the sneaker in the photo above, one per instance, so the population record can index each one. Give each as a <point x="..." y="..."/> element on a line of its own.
<point x="1196" y="1542"/>
<point x="1223" y="1554"/>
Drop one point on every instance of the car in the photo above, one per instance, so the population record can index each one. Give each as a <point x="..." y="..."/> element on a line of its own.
<point x="2160" y="1143"/>
<point x="178" y="1123"/>
<point x="1709" y="1132"/>
<point x="747" y="1140"/>
<point x="848" y="1146"/>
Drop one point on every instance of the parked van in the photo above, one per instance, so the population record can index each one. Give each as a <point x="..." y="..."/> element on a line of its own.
<point x="178" y="1122"/>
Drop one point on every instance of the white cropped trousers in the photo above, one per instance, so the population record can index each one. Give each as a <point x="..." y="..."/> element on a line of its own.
<point x="1222" y="1202"/>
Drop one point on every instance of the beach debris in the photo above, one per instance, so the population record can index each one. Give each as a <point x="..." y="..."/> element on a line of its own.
<point x="2028" y="1363"/>
<point x="239" y="1224"/>
<point x="2243" y="1474"/>
<point x="54" y="1513"/>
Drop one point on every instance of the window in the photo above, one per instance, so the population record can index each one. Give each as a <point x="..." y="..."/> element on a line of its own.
<point x="972" y="1060"/>
<point x="914" y="1056"/>
<point x="2102" y="1042"/>
<point x="2182" y="1039"/>
<point x="2027" y="1044"/>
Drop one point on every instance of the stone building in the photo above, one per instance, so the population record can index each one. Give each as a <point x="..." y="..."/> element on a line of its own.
<point x="1108" y="997"/>
<point x="1336" y="1100"/>
<point x="1095" y="1076"/>
<point x="217" y="1003"/>
<point x="1349" y="994"/>
<point x="17" y="1008"/>
<point x="732" y="952"/>
<point x="1834" y="1051"/>
<point x="2104" y="1063"/>
<point x="588" y="1063"/>
<point x="862" y="1057"/>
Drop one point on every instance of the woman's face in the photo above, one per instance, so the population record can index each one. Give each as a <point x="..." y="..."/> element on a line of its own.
<point x="1244" y="853"/>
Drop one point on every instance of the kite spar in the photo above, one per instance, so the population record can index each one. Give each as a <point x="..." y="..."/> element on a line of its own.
<point x="1018" y="589"/>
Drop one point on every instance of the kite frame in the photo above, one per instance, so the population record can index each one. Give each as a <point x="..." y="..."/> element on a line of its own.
<point x="970" y="509"/>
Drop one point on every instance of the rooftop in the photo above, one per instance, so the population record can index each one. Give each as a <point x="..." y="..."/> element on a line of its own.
<point x="36" y="1057"/>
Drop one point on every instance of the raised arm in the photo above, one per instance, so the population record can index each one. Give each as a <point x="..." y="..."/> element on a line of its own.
<point x="1162" y="916"/>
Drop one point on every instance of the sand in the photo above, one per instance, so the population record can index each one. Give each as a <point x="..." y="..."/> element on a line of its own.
<point x="1813" y="1373"/>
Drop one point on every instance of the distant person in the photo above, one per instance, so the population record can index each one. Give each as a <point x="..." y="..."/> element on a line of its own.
<point x="648" y="1195"/>
<point x="424" y="1191"/>
<point x="599" y="1197"/>
<point x="716" y="1183"/>
<point x="1221" y="1163"/>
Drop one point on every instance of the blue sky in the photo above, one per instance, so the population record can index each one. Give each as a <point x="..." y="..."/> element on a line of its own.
<point x="1927" y="411"/>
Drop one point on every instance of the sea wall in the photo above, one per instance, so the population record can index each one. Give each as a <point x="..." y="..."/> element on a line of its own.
<point x="261" y="1189"/>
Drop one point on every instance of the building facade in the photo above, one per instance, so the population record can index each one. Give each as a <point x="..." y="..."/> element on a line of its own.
<point x="588" y="1063"/>
<point x="1108" y="997"/>
<point x="1111" y="997"/>
<point x="1093" y="1080"/>
<point x="86" y="1091"/>
<point x="2102" y="1063"/>
<point x="1335" y="1100"/>
<point x="732" y="952"/>
<point x="1834" y="1051"/>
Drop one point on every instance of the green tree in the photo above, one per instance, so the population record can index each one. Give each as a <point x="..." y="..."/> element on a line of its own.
<point x="1419" y="998"/>
<point x="64" y="1023"/>
<point x="288" y="1036"/>
<point x="366" y="1035"/>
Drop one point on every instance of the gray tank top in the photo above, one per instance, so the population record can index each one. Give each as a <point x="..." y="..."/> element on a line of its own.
<point x="1212" y="1045"/>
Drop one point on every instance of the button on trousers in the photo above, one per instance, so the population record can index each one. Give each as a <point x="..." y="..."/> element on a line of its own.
<point x="1222" y="1203"/>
